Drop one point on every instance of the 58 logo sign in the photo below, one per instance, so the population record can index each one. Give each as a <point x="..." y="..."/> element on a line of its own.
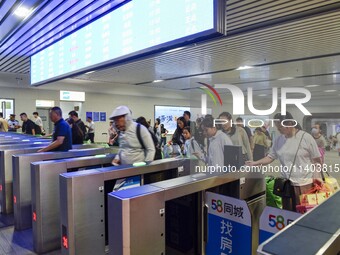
<point x="217" y="205"/>
<point x="278" y="221"/>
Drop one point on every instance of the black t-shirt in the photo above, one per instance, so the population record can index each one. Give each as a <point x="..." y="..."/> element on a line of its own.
<point x="28" y="126"/>
<point x="61" y="128"/>
<point x="82" y="127"/>
<point x="77" y="135"/>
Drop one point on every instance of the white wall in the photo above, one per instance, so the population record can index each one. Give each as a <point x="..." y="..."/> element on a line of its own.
<point x="95" y="102"/>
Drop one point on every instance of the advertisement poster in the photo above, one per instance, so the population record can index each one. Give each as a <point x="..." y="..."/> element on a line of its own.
<point x="229" y="225"/>
<point x="169" y="115"/>
<point x="273" y="220"/>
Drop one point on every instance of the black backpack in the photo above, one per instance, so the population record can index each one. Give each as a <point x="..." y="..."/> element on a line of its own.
<point x="158" y="154"/>
<point x="37" y="129"/>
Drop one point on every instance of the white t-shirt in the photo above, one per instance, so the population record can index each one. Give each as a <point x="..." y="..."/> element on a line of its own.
<point x="38" y="121"/>
<point x="285" y="149"/>
<point x="91" y="127"/>
<point x="216" y="149"/>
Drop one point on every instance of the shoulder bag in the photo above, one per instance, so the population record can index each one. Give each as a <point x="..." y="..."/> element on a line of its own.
<point x="283" y="186"/>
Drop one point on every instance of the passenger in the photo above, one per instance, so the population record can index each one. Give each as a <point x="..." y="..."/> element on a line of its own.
<point x="113" y="135"/>
<point x="130" y="149"/>
<point x="320" y="140"/>
<point x="240" y="123"/>
<point x="3" y="123"/>
<point x="158" y="154"/>
<point x="157" y="129"/>
<point x="91" y="129"/>
<point x="38" y="121"/>
<point x="199" y="135"/>
<point x="296" y="150"/>
<point x="150" y="127"/>
<point x="191" y="124"/>
<point x="164" y="132"/>
<point x="260" y="145"/>
<point x="191" y="147"/>
<point x="62" y="134"/>
<point x="217" y="141"/>
<point x="13" y="124"/>
<point x="268" y="138"/>
<point x="77" y="134"/>
<point x="178" y="137"/>
<point x="78" y="121"/>
<point x="28" y="126"/>
<point x="237" y="135"/>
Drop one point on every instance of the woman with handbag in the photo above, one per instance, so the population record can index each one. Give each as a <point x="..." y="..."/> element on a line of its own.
<point x="298" y="153"/>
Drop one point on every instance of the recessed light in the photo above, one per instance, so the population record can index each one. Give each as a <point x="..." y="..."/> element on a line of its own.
<point x="262" y="95"/>
<point x="330" y="90"/>
<point x="90" y="72"/>
<point x="285" y="78"/>
<point x="172" y="50"/>
<point x="22" y="12"/>
<point x="157" y="81"/>
<point x="312" y="86"/>
<point x="244" y="67"/>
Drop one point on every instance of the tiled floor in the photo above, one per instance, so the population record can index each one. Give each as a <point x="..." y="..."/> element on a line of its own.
<point x="17" y="242"/>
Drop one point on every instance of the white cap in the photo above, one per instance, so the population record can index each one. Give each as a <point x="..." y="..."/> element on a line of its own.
<point x="120" y="111"/>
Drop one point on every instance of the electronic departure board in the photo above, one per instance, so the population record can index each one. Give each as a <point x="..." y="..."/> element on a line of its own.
<point x="138" y="27"/>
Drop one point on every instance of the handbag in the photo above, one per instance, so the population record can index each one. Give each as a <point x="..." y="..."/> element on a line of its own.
<point x="283" y="186"/>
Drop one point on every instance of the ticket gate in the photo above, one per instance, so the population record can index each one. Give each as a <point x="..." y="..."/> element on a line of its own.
<point x="22" y="179"/>
<point x="21" y="141"/>
<point x="316" y="232"/>
<point x="45" y="196"/>
<point x="83" y="200"/>
<point x="6" y="171"/>
<point x="6" y="175"/>
<point x="136" y="229"/>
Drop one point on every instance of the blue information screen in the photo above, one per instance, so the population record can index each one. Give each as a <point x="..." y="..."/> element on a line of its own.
<point x="135" y="28"/>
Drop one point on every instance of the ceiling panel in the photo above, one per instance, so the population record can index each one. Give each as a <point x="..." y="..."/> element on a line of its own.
<point x="296" y="38"/>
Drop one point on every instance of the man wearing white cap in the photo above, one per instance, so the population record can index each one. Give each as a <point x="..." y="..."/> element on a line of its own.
<point x="131" y="149"/>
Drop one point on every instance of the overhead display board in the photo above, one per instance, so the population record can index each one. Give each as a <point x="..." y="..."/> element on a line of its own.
<point x="137" y="28"/>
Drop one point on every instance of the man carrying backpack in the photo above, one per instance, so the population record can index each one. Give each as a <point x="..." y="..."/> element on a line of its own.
<point x="130" y="148"/>
<point x="28" y="126"/>
<point x="142" y="121"/>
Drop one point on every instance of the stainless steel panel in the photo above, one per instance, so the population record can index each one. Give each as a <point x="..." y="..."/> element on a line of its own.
<point x="256" y="207"/>
<point x="82" y="213"/>
<point x="139" y="231"/>
<point x="80" y="238"/>
<point x="316" y="232"/>
<point x="45" y="198"/>
<point x="6" y="176"/>
<point x="127" y="204"/>
<point x="22" y="180"/>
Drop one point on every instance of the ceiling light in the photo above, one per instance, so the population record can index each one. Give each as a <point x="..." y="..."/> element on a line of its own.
<point x="90" y="72"/>
<point x="285" y="78"/>
<point x="172" y="50"/>
<point x="157" y="81"/>
<point x="22" y="12"/>
<point x="262" y="95"/>
<point x="244" y="67"/>
<point x="312" y="86"/>
<point x="330" y="90"/>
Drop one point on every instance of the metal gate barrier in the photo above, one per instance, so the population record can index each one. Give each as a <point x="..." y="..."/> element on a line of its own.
<point x="316" y="232"/>
<point x="6" y="174"/>
<point x="136" y="229"/>
<point x="45" y="196"/>
<point x="22" y="179"/>
<point x="83" y="199"/>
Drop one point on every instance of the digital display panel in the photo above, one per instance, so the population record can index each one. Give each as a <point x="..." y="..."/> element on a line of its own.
<point x="138" y="27"/>
<point x="168" y="115"/>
